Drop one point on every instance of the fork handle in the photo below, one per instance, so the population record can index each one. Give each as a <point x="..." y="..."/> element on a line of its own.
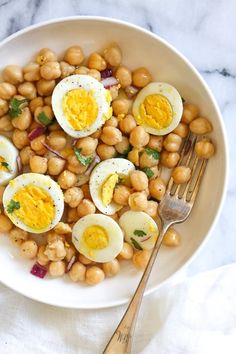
<point x="121" y="340"/>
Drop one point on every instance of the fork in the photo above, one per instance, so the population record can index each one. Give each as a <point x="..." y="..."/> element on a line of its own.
<point x="174" y="208"/>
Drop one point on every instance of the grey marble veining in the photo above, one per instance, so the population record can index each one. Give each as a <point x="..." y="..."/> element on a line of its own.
<point x="204" y="31"/>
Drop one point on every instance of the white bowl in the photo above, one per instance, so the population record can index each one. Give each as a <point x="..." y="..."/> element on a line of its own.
<point x="140" y="48"/>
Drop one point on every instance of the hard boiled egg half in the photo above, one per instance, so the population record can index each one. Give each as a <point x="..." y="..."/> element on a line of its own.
<point x="81" y="105"/>
<point x="98" y="237"/>
<point x="33" y="202"/>
<point x="158" y="108"/>
<point x="140" y="229"/>
<point x="8" y="164"/>
<point x="103" y="181"/>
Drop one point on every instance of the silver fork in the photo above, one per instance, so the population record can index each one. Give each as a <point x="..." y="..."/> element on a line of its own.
<point x="174" y="208"/>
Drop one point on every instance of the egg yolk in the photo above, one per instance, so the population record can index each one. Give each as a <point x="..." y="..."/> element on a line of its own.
<point x="80" y="108"/>
<point x="155" y="112"/>
<point x="37" y="208"/>
<point x="95" y="237"/>
<point x="108" y="187"/>
<point x="3" y="165"/>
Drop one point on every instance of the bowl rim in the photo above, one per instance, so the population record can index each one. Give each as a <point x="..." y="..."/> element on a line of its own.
<point x="222" y="126"/>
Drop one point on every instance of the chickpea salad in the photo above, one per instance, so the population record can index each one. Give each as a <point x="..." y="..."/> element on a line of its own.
<point x="83" y="145"/>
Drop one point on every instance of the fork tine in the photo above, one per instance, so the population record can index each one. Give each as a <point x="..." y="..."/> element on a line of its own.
<point x="186" y="189"/>
<point x="193" y="193"/>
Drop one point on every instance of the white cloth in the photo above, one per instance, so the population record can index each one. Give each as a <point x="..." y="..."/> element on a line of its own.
<point x="197" y="316"/>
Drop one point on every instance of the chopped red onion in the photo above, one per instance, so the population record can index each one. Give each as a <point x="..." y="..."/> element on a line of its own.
<point x="95" y="161"/>
<point x="53" y="151"/>
<point x="36" y="132"/>
<point x="106" y="73"/>
<point x="109" y="82"/>
<point x="70" y="264"/>
<point x="19" y="164"/>
<point x="131" y="91"/>
<point x="146" y="239"/>
<point x="38" y="270"/>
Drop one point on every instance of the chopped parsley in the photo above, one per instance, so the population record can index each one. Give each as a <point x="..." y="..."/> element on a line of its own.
<point x="136" y="244"/>
<point x="124" y="154"/>
<point x="13" y="205"/>
<point x="85" y="161"/>
<point x="5" y="164"/>
<point x="155" y="154"/>
<point x="14" y="107"/>
<point x="148" y="172"/>
<point x="139" y="233"/>
<point x="43" y="118"/>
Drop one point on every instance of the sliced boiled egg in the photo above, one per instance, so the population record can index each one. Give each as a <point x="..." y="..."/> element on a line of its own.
<point x="158" y="108"/>
<point x="140" y="229"/>
<point x="33" y="202"/>
<point x="8" y="164"/>
<point x="81" y="105"/>
<point x="98" y="237"/>
<point x="103" y="181"/>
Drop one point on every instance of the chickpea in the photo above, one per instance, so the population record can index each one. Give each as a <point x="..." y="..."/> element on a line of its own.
<point x="82" y="70"/>
<point x="3" y="107"/>
<point x="41" y="256"/>
<point x="172" y="142"/>
<point x="57" y="140"/>
<point x="96" y="61"/>
<point x="45" y="87"/>
<point x="123" y="147"/>
<point x="141" y="77"/>
<point x="75" y="166"/>
<point x="57" y="268"/>
<point x="106" y="152"/>
<point x="95" y="74"/>
<point x="28" y="249"/>
<point x="55" y="250"/>
<point x="124" y="76"/>
<point x="45" y="55"/>
<point x="157" y="188"/>
<point x="147" y="160"/>
<point x="155" y="142"/>
<point x="54" y="126"/>
<point x="127" y="124"/>
<point x="87" y="145"/>
<point x="204" y="149"/>
<point x="31" y="72"/>
<point x="7" y="90"/>
<point x="25" y="154"/>
<point x="140" y="259"/>
<point x="35" y="103"/>
<point x="77" y="272"/>
<point x="121" y="195"/>
<point x="112" y="122"/>
<point x="171" y="238"/>
<point x="48" y="101"/>
<point x="50" y="70"/>
<point x="5" y="224"/>
<point x="94" y="275"/>
<point x="152" y="208"/>
<point x="84" y="260"/>
<point x="113" y="55"/>
<point x="70" y="252"/>
<point x="23" y="121"/>
<point x="37" y="143"/>
<point x="126" y="252"/>
<point x="115" y="217"/>
<point x="74" y="55"/>
<point x="66" y="69"/>
<point x="139" y="180"/>
<point x="73" y="196"/>
<point x="181" y="174"/>
<point x="66" y="179"/>
<point x="200" y="126"/>
<point x="111" y="135"/>
<point x="13" y="74"/>
<point x="86" y="207"/>
<point x="20" y="138"/>
<point x="120" y="106"/>
<point x="38" y="164"/>
<point x="133" y="156"/>
<point x="114" y="91"/>
<point x="111" y="268"/>
<point x="138" y="201"/>
<point x="62" y="228"/>
<point x="169" y="159"/>
<point x="190" y="112"/>
<point x="86" y="191"/>
<point x="139" y="137"/>
<point x="6" y="123"/>
<point x="53" y="237"/>
<point x="28" y="90"/>
<point x="2" y="189"/>
<point x="17" y="236"/>
<point x="72" y="215"/>
<point x="96" y="134"/>
<point x="181" y="130"/>
<point x="47" y="110"/>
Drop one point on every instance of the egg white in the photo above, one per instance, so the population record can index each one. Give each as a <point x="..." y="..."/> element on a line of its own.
<point x="41" y="181"/>
<point x="10" y="154"/>
<point x="114" y="232"/>
<point x="172" y="96"/>
<point x="87" y="83"/>
<point x="138" y="220"/>
<point x="99" y="175"/>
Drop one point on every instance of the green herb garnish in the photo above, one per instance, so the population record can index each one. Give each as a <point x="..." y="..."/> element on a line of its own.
<point x="85" y="161"/>
<point x="139" y="233"/>
<point x="14" y="107"/>
<point x="155" y="154"/>
<point x="124" y="154"/>
<point x="5" y="164"/>
<point x="12" y="206"/>
<point x="43" y="118"/>
<point x="136" y="244"/>
<point x="148" y="172"/>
